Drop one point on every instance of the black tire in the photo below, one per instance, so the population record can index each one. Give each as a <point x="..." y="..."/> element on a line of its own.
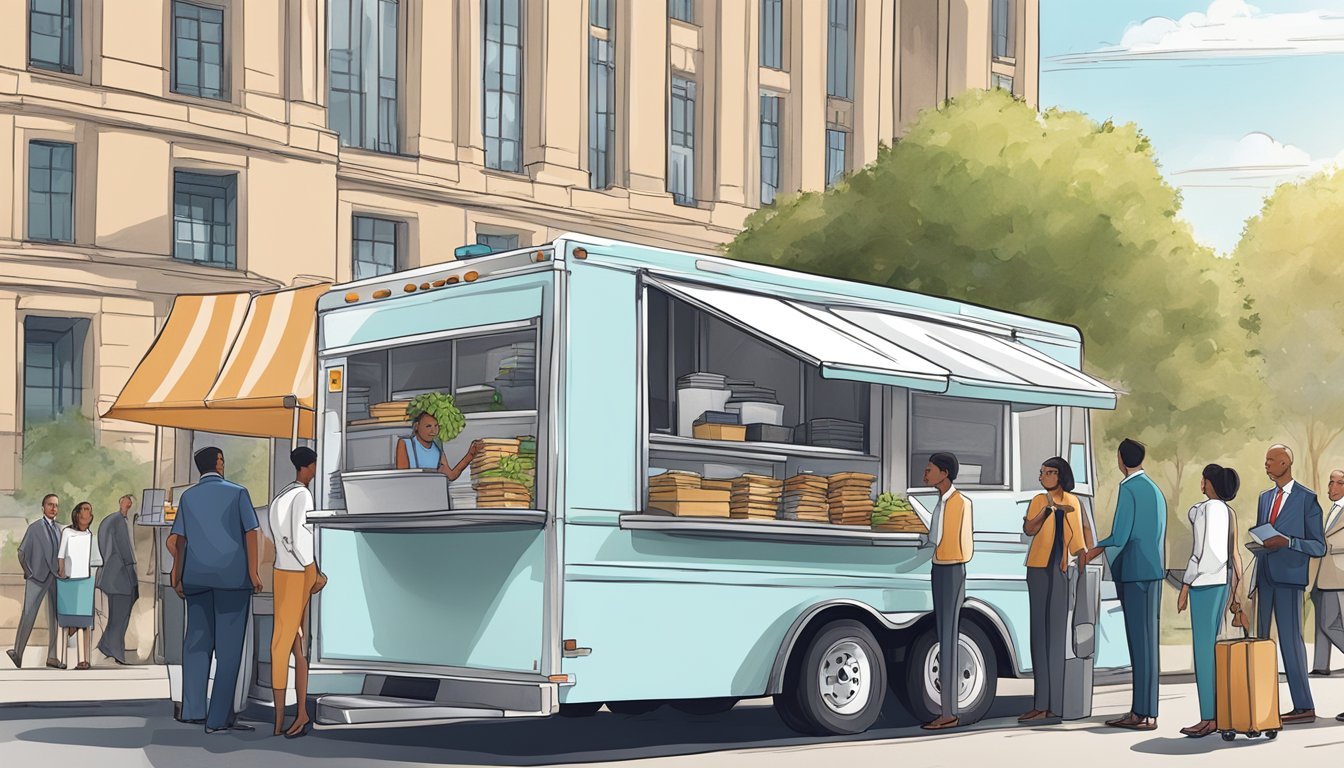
<point x="804" y="703"/>
<point x="1252" y="734"/>
<point x="581" y="709"/>
<point x="914" y="694"/>
<point x="714" y="706"/>
<point x="1271" y="735"/>
<point x="634" y="706"/>
<point x="1229" y="736"/>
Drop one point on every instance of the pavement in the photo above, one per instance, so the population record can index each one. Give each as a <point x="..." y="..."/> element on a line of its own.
<point x="142" y="733"/>
<point x="105" y="681"/>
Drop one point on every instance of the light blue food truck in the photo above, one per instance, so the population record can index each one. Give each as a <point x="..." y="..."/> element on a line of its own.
<point x="620" y="363"/>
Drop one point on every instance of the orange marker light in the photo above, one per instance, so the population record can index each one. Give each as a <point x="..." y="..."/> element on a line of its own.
<point x="539" y="256"/>
<point x="558" y="678"/>
<point x="470" y="277"/>
<point x="580" y="253"/>
<point x="452" y="280"/>
<point x="351" y="298"/>
<point x="440" y="283"/>
<point x="410" y="288"/>
<point x="571" y="645"/>
<point x="381" y="293"/>
<point x="424" y="286"/>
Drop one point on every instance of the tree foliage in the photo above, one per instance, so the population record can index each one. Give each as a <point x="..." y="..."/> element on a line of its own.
<point x="64" y="457"/>
<point x="1290" y="256"/>
<point x="1051" y="215"/>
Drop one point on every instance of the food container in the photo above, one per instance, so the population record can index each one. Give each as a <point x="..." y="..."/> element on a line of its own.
<point x="693" y="401"/>
<point x="759" y="413"/>
<point x="769" y="433"/>
<point x="733" y="432"/>
<point x="395" y="491"/>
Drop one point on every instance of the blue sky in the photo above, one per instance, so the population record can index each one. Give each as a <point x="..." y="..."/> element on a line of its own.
<point x="1237" y="98"/>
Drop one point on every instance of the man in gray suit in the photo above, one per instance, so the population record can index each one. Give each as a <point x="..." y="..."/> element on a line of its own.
<point x="37" y="555"/>
<point x="117" y="578"/>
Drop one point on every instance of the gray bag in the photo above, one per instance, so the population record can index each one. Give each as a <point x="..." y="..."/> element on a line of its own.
<point x="1086" y="599"/>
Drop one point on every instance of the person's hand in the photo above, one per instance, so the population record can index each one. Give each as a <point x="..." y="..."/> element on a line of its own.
<point x="319" y="583"/>
<point x="1275" y="543"/>
<point x="256" y="581"/>
<point x="1183" y="601"/>
<point x="177" y="587"/>
<point x="474" y="449"/>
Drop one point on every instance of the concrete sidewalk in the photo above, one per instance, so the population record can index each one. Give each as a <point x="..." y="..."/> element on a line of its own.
<point x="106" y="681"/>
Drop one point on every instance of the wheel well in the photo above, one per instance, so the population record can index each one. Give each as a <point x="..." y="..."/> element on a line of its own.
<point x="1001" y="654"/>
<point x="814" y="625"/>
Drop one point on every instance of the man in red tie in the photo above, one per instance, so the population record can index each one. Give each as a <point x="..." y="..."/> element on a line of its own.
<point x="1282" y="570"/>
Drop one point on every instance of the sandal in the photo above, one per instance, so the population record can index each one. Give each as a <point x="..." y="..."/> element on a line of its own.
<point x="82" y="665"/>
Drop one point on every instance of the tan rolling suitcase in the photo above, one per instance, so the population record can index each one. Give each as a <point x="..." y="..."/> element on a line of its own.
<point x="1247" y="671"/>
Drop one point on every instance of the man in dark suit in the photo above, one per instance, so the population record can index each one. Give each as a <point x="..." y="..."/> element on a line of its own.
<point x="117" y="579"/>
<point x="37" y="556"/>
<point x="215" y="547"/>
<point x="1135" y="550"/>
<point x="1281" y="571"/>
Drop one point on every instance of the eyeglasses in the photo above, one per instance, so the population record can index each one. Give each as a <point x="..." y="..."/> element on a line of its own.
<point x="1045" y="472"/>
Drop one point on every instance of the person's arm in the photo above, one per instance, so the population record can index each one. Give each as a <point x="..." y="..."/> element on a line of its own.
<point x="1074" y="519"/>
<point x="403" y="461"/>
<point x="1313" y="544"/>
<point x="60" y="554"/>
<point x="300" y="532"/>
<point x="177" y="545"/>
<point x="1199" y="531"/>
<point x="247" y="514"/>
<point x="1035" y="517"/>
<point x="95" y="553"/>
<point x="1122" y="527"/>
<point x="454" y="471"/>
<point x="24" y="548"/>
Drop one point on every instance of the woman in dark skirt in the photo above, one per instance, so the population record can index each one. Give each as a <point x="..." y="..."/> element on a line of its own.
<point x="75" y="561"/>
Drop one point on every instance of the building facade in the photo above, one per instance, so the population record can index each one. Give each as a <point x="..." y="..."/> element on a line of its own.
<point x="190" y="146"/>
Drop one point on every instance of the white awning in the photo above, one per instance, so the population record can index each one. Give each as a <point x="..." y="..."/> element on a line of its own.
<point x="984" y="364"/>
<point x="799" y="331"/>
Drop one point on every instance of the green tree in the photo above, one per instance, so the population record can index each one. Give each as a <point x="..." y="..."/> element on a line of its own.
<point x="1290" y="255"/>
<point x="64" y="457"/>
<point x="1056" y="216"/>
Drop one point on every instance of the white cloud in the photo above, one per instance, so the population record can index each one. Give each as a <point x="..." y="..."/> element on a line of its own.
<point x="1256" y="160"/>
<point x="1228" y="29"/>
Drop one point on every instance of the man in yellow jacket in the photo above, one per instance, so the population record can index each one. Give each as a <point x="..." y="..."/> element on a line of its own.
<point x="950" y="535"/>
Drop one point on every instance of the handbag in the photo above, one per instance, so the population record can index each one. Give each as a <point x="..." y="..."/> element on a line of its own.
<point x="1086" y="606"/>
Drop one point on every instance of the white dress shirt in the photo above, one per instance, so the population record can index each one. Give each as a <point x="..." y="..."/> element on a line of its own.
<point x="1287" y="491"/>
<point x="934" y="520"/>
<point x="79" y="550"/>
<point x="1332" y="517"/>
<point x="1208" y="558"/>
<point x="289" y="526"/>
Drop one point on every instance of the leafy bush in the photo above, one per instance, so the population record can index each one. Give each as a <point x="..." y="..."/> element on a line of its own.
<point x="515" y="468"/>
<point x="64" y="457"/>
<point x="444" y="410"/>
<point x="889" y="504"/>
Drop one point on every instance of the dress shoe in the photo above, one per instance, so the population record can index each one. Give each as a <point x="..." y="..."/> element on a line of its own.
<point x="1201" y="729"/>
<point x="1123" y="722"/>
<point x="941" y="724"/>
<point x="1032" y="716"/>
<point x="14" y="658"/>
<point x="1319" y="673"/>
<point x="55" y="664"/>
<point x="1299" y="717"/>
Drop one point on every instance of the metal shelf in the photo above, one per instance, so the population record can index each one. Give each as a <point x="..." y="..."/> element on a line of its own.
<point x="471" y="416"/>
<point x="420" y="521"/>
<point x="774" y="452"/>
<point x="771" y="530"/>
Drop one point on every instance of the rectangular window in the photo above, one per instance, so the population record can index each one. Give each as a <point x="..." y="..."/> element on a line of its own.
<point x="601" y="108"/>
<point x="769" y="148"/>
<point x="54" y="35"/>
<point x="498" y="243"/>
<point x="363" y="106"/>
<point x="198" y="51"/>
<point x="503" y="71"/>
<point x="840" y="50"/>
<point x="1002" y="82"/>
<point x="681" y="142"/>
<point x="205" y="218"/>
<point x="971" y="429"/>
<point x="772" y="34"/>
<point x="376" y="246"/>
<point x="1037" y="437"/>
<point x="1003" y="29"/>
<point x="51" y="191"/>
<point x="53" y="372"/>
<point x="682" y="10"/>
<point x="837" y="155"/>
<point x="599" y="13"/>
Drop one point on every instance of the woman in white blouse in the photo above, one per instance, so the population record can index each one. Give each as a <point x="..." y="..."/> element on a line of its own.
<point x="75" y="561"/>
<point x="1207" y="581"/>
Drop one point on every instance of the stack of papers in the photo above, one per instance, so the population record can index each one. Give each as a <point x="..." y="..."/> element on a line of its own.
<point x="755" y="497"/>
<point x="681" y="494"/>
<point x="850" y="498"/>
<point x="805" y="498"/>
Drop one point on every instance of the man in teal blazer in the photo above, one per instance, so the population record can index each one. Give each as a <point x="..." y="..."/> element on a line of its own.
<point x="1136" y="550"/>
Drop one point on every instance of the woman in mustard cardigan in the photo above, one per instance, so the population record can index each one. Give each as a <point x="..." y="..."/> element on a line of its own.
<point x="1055" y="522"/>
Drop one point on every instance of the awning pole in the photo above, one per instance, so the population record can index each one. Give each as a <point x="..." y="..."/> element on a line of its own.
<point x="294" y="434"/>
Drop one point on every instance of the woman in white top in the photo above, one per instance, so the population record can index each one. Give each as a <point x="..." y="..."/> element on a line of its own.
<point x="75" y="561"/>
<point x="1206" y="584"/>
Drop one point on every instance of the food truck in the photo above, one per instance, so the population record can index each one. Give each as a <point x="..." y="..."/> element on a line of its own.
<point x="694" y="485"/>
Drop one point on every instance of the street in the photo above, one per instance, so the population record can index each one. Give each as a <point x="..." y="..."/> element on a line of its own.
<point x="139" y="733"/>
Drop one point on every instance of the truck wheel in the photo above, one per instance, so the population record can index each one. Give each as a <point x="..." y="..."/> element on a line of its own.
<point x="978" y="675"/>
<point x="634" y="707"/>
<point x="840" y="685"/>
<point x="580" y="709"/>
<point x="714" y="706"/>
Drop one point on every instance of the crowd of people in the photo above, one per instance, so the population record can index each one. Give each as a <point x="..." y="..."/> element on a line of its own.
<point x="1290" y="555"/>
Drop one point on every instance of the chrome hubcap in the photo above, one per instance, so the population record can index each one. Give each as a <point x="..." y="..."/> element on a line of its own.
<point x="970" y="673"/>
<point x="845" y="678"/>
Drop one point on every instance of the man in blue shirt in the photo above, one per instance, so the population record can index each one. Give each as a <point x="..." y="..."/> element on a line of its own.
<point x="1136" y="549"/>
<point x="214" y="542"/>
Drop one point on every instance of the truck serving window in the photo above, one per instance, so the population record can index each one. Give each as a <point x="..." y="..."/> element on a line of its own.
<point x="972" y="429"/>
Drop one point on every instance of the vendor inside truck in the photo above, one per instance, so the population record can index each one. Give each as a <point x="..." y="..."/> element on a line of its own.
<point x="422" y="449"/>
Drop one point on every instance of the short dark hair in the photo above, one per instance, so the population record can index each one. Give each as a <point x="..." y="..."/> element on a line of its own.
<point x="74" y="516"/>
<point x="303" y="456"/>
<point x="207" y="459"/>
<point x="1057" y="463"/>
<point x="947" y="462"/>
<point x="49" y="496"/>
<point x="422" y="415"/>
<point x="1224" y="480"/>
<point x="1132" y="453"/>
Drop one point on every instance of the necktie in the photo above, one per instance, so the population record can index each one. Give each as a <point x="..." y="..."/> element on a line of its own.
<point x="1274" y="513"/>
<point x="51" y="534"/>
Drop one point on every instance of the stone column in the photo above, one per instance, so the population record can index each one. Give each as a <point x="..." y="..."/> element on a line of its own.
<point x="642" y="74"/>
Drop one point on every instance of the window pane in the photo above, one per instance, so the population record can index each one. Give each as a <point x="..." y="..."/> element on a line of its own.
<point x="51" y="183"/>
<point x="52" y="35"/>
<point x="502" y="59"/>
<point x="840" y="49"/>
<point x="837" y="160"/>
<point x="1003" y="28"/>
<point x="53" y="366"/>
<point x="376" y="246"/>
<point x="682" y="10"/>
<point x="198" y="50"/>
<point x="971" y="429"/>
<point x="205" y="217"/>
<point x="769" y="148"/>
<point x="601" y="112"/>
<point x="498" y="243"/>
<point x="772" y="33"/>
<point x="681" y="141"/>
<point x="363" y="92"/>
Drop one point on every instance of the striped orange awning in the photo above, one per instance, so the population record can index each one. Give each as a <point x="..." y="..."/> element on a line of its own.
<point x="230" y="364"/>
<point x="268" y="379"/>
